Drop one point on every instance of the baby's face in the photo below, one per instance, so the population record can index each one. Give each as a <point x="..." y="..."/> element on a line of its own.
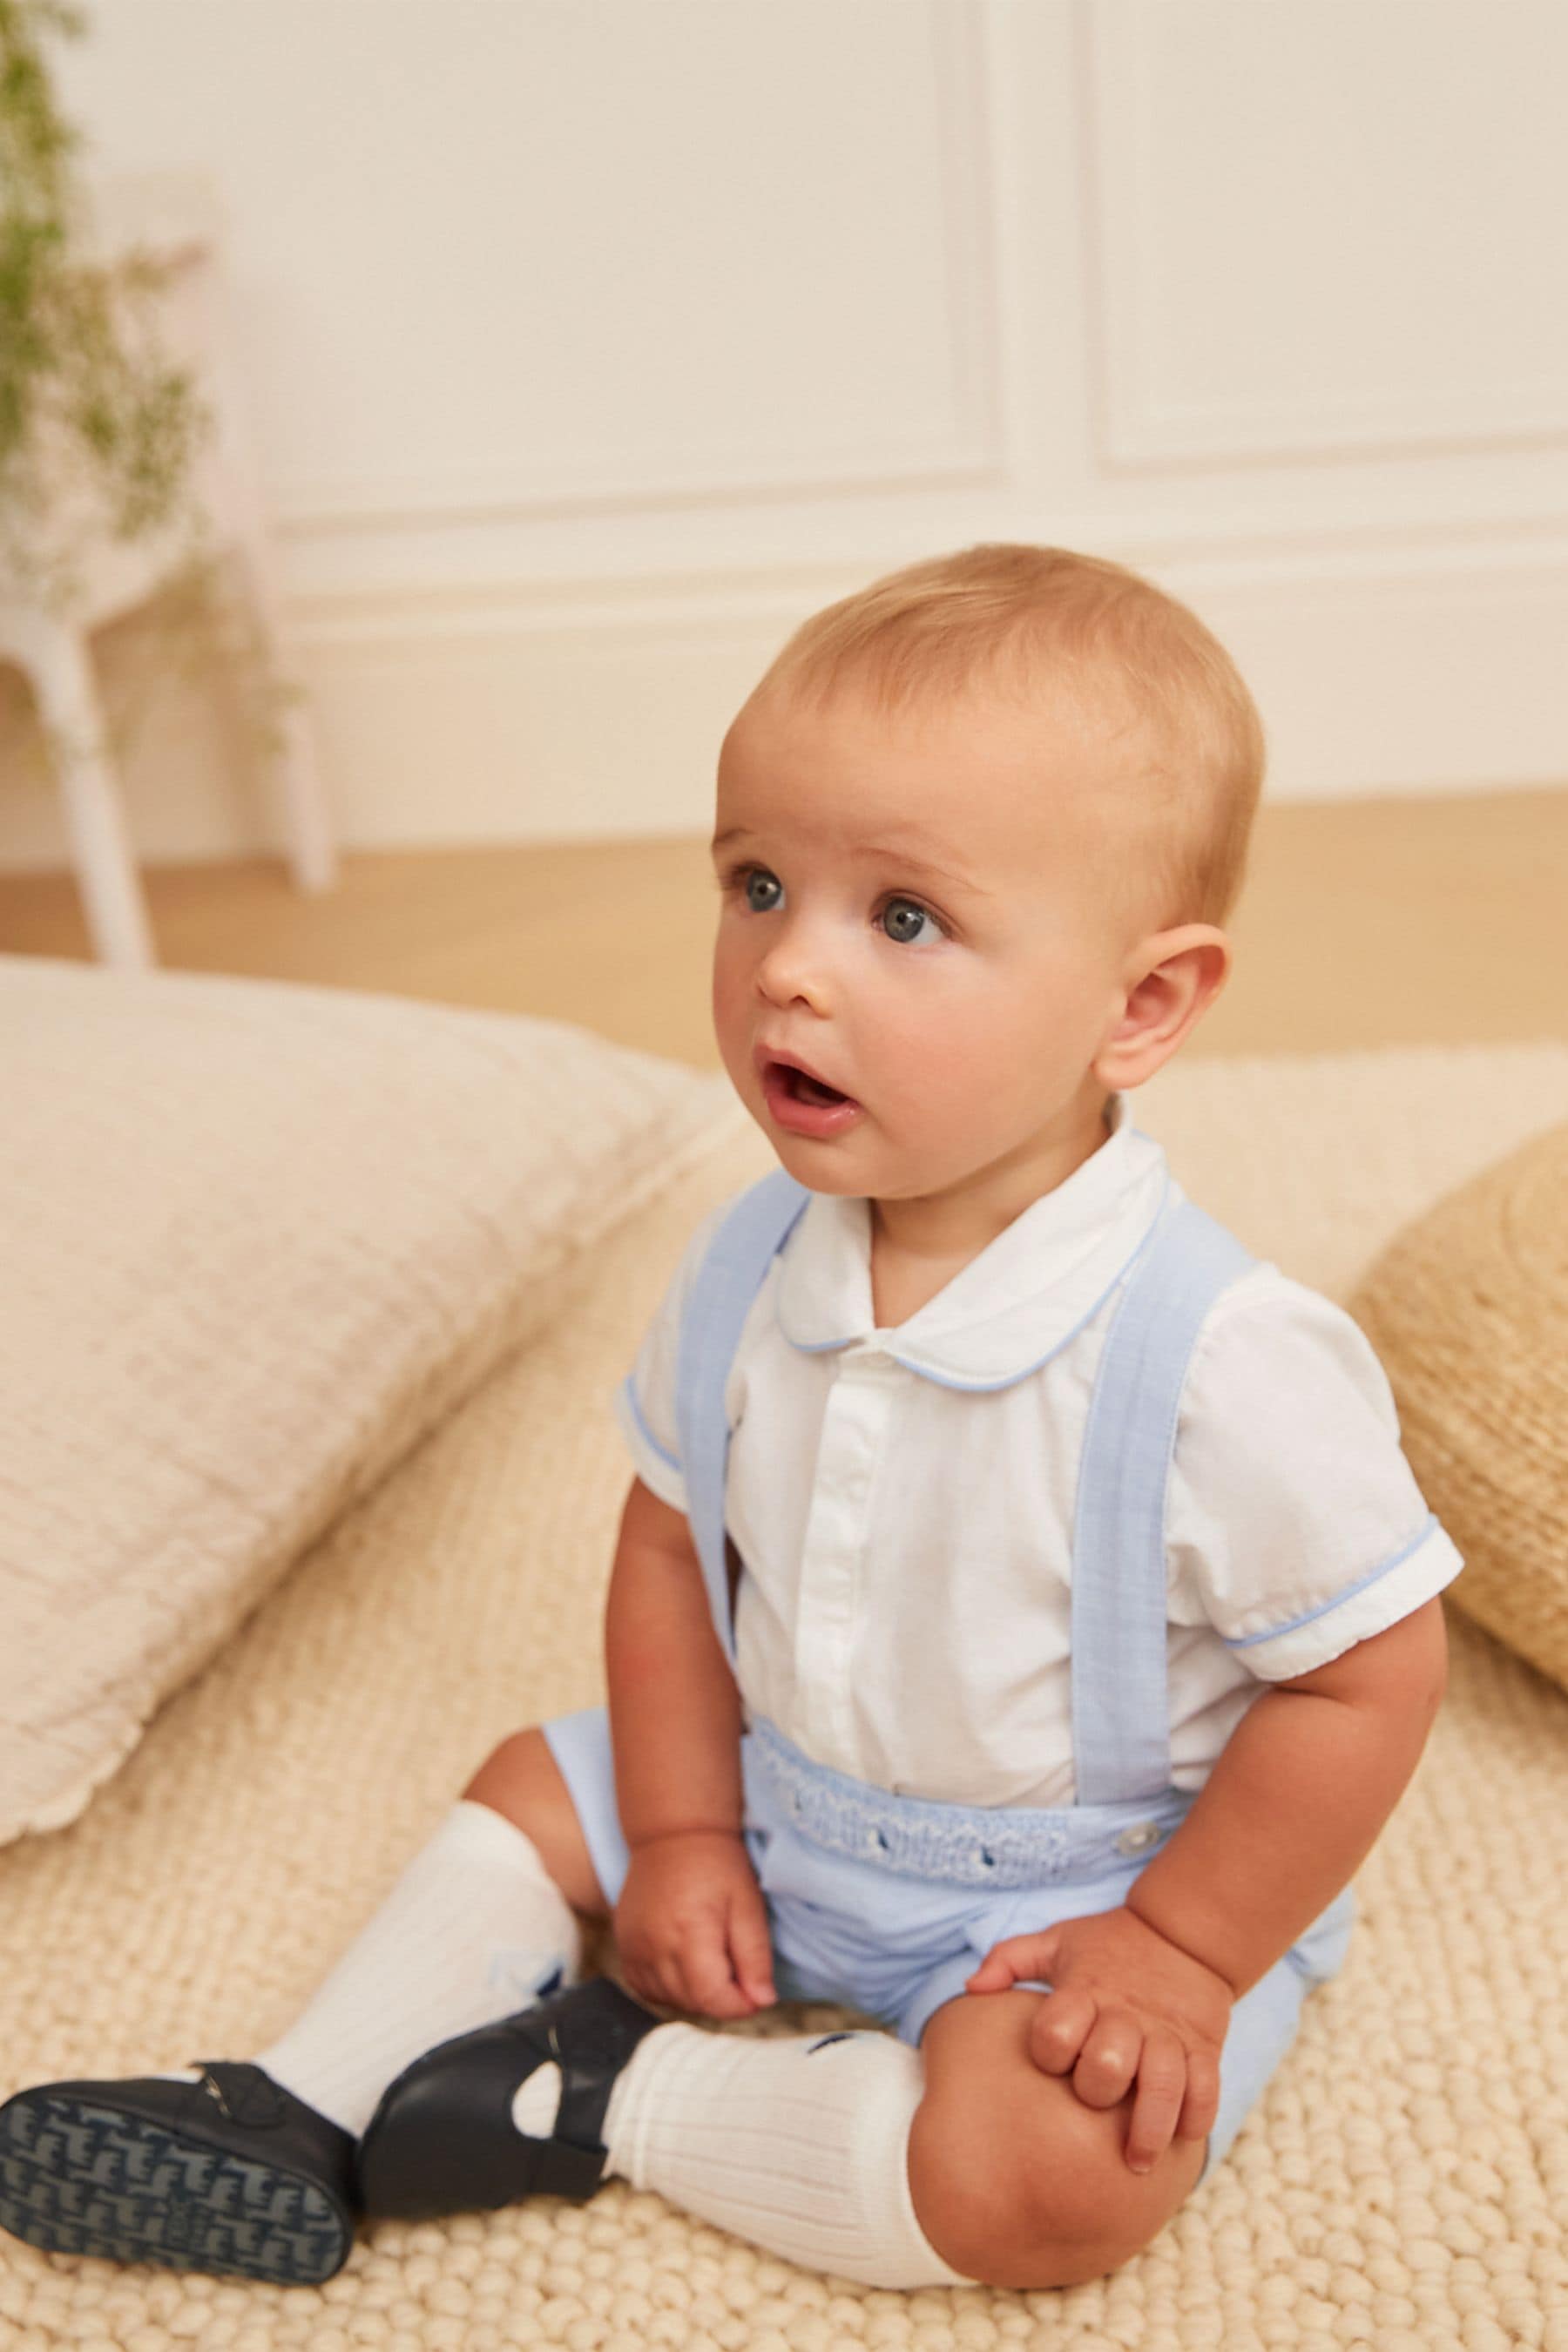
<point x="925" y="909"/>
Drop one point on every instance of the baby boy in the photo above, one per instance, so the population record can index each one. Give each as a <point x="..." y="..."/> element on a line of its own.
<point x="1022" y="1619"/>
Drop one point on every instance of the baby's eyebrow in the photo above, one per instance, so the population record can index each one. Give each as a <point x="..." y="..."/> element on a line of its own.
<point x="884" y="853"/>
<point x="892" y="855"/>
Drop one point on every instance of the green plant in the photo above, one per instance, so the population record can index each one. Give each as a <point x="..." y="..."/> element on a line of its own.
<point x="98" y="430"/>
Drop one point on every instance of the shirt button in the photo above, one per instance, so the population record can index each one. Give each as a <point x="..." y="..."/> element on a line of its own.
<point x="1135" y="1840"/>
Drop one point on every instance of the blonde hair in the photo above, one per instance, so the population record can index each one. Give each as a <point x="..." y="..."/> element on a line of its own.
<point x="1005" y="613"/>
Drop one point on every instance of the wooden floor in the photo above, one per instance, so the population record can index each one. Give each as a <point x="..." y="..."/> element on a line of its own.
<point x="1363" y="923"/>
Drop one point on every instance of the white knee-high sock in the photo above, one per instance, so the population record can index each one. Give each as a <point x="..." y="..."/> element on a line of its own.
<point x="474" y="1928"/>
<point x="798" y="2144"/>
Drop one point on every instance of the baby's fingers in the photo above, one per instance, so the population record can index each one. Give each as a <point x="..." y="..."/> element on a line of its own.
<point x="706" y="1974"/>
<point x="1158" y="2098"/>
<point x="1058" y="2029"/>
<point x="751" y="1948"/>
<point x="1200" y="2108"/>
<point x="1014" y="1956"/>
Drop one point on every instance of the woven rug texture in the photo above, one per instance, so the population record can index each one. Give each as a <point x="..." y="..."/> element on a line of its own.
<point x="1404" y="2184"/>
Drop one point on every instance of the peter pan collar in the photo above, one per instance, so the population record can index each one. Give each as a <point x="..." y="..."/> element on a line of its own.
<point x="1012" y="1307"/>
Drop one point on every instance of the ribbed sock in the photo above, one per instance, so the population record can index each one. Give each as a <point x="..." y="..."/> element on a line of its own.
<point x="474" y="1928"/>
<point x="799" y="2144"/>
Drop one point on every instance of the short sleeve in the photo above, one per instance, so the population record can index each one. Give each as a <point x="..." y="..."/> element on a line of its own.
<point x="1294" y="1524"/>
<point x="644" y="1403"/>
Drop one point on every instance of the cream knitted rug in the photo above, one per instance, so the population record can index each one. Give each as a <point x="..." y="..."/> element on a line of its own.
<point x="1404" y="2182"/>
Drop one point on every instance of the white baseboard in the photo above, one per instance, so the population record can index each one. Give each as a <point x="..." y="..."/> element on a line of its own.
<point x="595" y="712"/>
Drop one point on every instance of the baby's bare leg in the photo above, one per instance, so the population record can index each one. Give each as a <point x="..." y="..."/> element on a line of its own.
<point x="1014" y="2179"/>
<point x="521" y="1781"/>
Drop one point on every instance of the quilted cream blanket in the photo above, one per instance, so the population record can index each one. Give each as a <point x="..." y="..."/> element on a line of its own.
<point x="1404" y="2182"/>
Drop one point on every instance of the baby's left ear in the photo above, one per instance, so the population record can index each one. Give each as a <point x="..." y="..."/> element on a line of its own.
<point x="1200" y="952"/>
<point x="1175" y="977"/>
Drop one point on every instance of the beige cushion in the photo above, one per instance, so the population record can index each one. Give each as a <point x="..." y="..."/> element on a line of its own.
<point x="1468" y="1307"/>
<point x="254" y="1240"/>
<point x="1403" y="2182"/>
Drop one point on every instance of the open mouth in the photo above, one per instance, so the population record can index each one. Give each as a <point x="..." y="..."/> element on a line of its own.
<point x="802" y="1104"/>
<point x="797" y="1084"/>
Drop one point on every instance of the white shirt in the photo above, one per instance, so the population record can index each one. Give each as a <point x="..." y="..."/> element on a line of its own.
<point x="905" y="1522"/>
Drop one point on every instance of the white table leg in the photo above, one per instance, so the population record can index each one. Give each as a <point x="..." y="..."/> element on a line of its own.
<point x="312" y="853"/>
<point x="105" y="864"/>
<point x="235" y="502"/>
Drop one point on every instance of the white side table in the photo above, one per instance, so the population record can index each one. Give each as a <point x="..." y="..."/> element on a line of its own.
<point x="175" y="214"/>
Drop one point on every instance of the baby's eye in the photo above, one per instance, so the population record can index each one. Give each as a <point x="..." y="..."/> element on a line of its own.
<point x="749" y="877"/>
<point x="900" y="910"/>
<point x="906" y="915"/>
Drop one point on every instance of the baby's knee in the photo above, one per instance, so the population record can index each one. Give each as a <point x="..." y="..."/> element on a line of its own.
<point x="521" y="1781"/>
<point x="1037" y="2198"/>
<point x="513" y="1774"/>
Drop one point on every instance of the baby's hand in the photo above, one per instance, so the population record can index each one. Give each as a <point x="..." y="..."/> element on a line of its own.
<point x="691" y="1926"/>
<point x="1125" y="2003"/>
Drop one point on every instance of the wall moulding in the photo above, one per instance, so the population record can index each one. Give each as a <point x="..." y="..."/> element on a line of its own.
<point x="1327" y="383"/>
<point x="969" y="454"/>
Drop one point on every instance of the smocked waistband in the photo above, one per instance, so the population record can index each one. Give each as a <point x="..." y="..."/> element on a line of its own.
<point x="997" y="1846"/>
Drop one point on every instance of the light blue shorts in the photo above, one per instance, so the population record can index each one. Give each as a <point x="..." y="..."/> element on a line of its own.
<point x="897" y="1946"/>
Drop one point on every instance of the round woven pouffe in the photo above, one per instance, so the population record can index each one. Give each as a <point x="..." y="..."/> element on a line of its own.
<point x="1468" y="1307"/>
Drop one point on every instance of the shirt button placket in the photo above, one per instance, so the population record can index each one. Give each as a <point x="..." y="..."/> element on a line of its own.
<point x="854" y="1426"/>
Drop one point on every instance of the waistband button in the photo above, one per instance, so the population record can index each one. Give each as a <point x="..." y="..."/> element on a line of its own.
<point x="1141" y="1835"/>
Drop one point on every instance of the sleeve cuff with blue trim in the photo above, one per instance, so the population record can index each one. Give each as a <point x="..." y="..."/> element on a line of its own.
<point x="657" y="1468"/>
<point x="1400" y="1585"/>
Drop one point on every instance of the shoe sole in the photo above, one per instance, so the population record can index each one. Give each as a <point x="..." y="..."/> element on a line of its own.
<point x="80" y="2177"/>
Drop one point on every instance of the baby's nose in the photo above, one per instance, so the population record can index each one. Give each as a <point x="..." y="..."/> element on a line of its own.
<point x="795" y="970"/>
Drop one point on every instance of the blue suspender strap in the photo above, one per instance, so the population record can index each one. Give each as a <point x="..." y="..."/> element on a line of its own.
<point x="720" y="1298"/>
<point x="1120" y="1705"/>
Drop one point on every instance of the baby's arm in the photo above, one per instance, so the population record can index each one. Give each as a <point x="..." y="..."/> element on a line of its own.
<point x="691" y="1923"/>
<point x="1295" y="1804"/>
<point x="1142" y="1993"/>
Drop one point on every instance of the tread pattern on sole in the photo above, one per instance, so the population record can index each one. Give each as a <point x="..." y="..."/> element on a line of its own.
<point x="80" y="2177"/>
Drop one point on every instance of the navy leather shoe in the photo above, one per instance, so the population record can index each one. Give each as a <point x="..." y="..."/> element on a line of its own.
<point x="442" y="2139"/>
<point x="231" y="2175"/>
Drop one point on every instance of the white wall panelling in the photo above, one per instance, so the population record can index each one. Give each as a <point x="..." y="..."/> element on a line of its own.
<point x="596" y="256"/>
<point x="1329" y="229"/>
<point x="593" y="345"/>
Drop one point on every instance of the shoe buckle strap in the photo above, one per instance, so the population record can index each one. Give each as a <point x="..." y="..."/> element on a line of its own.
<point x="242" y="2093"/>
